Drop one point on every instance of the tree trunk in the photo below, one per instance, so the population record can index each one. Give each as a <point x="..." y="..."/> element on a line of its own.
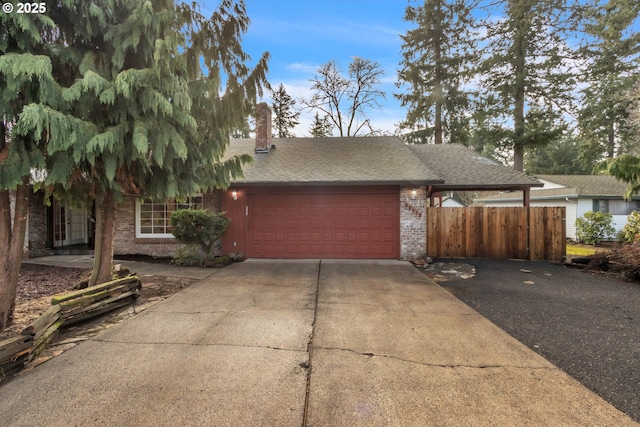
<point x="11" y="248"/>
<point x="97" y="244"/>
<point x="105" y="228"/>
<point x="439" y="93"/>
<point x="519" y="96"/>
<point x="611" y="140"/>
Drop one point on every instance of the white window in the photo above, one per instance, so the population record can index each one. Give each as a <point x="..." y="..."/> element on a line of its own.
<point x="153" y="218"/>
<point x="616" y="207"/>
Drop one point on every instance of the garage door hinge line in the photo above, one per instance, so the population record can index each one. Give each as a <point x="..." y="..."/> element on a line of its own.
<point x="310" y="349"/>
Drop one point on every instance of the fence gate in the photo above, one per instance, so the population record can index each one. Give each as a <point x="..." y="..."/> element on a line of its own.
<point x="534" y="233"/>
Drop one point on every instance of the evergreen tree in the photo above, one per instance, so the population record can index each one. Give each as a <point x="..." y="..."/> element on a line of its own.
<point x="613" y="58"/>
<point x="139" y="111"/>
<point x="284" y="116"/>
<point x="626" y="167"/>
<point x="527" y="66"/>
<point x="344" y="100"/>
<point x="437" y="56"/>
<point x="321" y="127"/>
<point x="25" y="78"/>
<point x="561" y="158"/>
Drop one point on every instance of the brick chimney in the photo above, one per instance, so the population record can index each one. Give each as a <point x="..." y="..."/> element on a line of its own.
<point x="263" y="128"/>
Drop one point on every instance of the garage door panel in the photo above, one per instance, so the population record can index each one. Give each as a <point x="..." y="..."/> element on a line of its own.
<point x="329" y="225"/>
<point x="388" y="225"/>
<point x="338" y="250"/>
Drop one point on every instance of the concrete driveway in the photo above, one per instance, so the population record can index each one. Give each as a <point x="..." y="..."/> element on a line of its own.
<point x="290" y="343"/>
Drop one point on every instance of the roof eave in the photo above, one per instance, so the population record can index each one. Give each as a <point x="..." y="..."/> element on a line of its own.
<point x="485" y="187"/>
<point x="338" y="183"/>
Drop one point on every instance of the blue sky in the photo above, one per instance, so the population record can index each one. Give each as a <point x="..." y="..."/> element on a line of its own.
<point x="301" y="35"/>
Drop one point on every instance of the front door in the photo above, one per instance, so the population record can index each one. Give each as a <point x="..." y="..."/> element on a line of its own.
<point x="69" y="225"/>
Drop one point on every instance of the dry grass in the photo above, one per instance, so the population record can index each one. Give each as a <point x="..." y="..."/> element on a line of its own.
<point x="575" y="249"/>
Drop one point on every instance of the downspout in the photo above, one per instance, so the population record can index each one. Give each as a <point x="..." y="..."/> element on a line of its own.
<point x="430" y="195"/>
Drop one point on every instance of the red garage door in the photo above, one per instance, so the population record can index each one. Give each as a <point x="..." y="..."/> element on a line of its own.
<point x="337" y="224"/>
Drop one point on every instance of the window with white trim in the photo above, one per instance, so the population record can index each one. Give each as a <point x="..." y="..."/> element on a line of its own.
<point x="616" y="207"/>
<point x="153" y="219"/>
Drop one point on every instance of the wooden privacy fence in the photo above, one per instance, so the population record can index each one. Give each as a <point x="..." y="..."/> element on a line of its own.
<point x="533" y="233"/>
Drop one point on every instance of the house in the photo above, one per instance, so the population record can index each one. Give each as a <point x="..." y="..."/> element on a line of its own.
<point x="450" y="200"/>
<point x="320" y="198"/>
<point x="578" y="194"/>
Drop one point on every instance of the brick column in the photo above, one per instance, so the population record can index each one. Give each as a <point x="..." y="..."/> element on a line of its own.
<point x="413" y="222"/>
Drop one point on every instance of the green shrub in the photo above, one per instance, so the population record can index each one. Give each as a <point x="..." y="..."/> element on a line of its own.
<point x="631" y="231"/>
<point x="199" y="227"/>
<point x="594" y="227"/>
<point x="189" y="256"/>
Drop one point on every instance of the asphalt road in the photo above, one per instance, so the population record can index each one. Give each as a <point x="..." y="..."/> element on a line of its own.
<point x="586" y="324"/>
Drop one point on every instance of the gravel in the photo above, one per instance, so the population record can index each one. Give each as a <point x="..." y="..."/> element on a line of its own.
<point x="587" y="324"/>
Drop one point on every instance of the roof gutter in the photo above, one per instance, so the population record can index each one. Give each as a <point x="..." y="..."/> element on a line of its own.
<point x="336" y="183"/>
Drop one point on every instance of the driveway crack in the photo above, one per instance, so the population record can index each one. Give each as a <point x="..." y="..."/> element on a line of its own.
<point x="192" y="344"/>
<point x="309" y="364"/>
<point x="438" y="365"/>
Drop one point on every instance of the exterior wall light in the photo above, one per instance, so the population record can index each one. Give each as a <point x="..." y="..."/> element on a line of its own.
<point x="414" y="194"/>
<point x="234" y="195"/>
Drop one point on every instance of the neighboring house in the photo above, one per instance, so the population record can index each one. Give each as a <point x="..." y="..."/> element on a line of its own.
<point x="450" y="201"/>
<point x="578" y="194"/>
<point x="322" y="198"/>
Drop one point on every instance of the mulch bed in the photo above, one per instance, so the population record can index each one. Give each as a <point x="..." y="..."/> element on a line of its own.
<point x="38" y="283"/>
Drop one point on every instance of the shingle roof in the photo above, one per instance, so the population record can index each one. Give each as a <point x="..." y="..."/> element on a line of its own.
<point x="371" y="160"/>
<point x="587" y="186"/>
<point x="591" y="185"/>
<point x="374" y="160"/>
<point x="465" y="168"/>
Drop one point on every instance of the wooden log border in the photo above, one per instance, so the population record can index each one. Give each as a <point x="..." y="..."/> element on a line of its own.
<point x="66" y="310"/>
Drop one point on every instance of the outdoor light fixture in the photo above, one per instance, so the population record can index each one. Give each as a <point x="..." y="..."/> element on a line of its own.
<point x="414" y="193"/>
<point x="234" y="195"/>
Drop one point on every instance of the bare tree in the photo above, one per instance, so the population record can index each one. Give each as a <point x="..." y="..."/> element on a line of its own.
<point x="345" y="99"/>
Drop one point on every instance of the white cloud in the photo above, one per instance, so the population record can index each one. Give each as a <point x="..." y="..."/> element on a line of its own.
<point x="302" y="67"/>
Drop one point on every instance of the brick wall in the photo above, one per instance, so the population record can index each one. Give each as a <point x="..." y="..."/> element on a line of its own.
<point x="126" y="242"/>
<point x="36" y="238"/>
<point x="413" y="222"/>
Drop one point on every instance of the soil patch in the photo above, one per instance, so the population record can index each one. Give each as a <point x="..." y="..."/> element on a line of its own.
<point x="619" y="260"/>
<point x="142" y="258"/>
